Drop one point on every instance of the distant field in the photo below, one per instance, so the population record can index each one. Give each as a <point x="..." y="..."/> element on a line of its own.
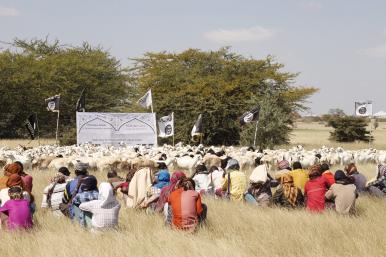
<point x="314" y="135"/>
<point x="309" y="134"/>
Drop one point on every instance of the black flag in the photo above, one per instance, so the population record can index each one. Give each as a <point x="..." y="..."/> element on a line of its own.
<point x="31" y="125"/>
<point x="252" y="115"/>
<point x="198" y="128"/>
<point x="53" y="103"/>
<point x="81" y="103"/>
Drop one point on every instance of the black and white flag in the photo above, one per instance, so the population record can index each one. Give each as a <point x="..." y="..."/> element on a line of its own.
<point x="364" y="109"/>
<point x="53" y="103"/>
<point x="252" y="115"/>
<point x="166" y="126"/>
<point x="198" y="128"/>
<point x="31" y="125"/>
<point x="81" y="103"/>
<point x="146" y="101"/>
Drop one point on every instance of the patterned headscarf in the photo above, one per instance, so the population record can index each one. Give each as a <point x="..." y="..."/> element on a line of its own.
<point x="381" y="170"/>
<point x="289" y="189"/>
<point x="15" y="193"/>
<point x="283" y="165"/>
<point x="59" y="178"/>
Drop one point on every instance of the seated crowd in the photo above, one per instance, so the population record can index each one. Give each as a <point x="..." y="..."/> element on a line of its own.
<point x="178" y="197"/>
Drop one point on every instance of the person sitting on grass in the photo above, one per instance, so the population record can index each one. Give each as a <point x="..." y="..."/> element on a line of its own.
<point x="300" y="176"/>
<point x="27" y="179"/>
<point x="378" y="187"/>
<point x="343" y="192"/>
<point x="13" y="181"/>
<point x="325" y="169"/>
<point x="53" y="193"/>
<point x="114" y="179"/>
<point x="288" y="195"/>
<point x="360" y="180"/>
<point x="73" y="186"/>
<point x="105" y="210"/>
<point x="186" y="210"/>
<point x="162" y="180"/>
<point x="162" y="203"/>
<point x="315" y="190"/>
<point x="234" y="181"/>
<point x="202" y="179"/>
<point x="259" y="191"/>
<point x="16" y="211"/>
<point x="88" y="192"/>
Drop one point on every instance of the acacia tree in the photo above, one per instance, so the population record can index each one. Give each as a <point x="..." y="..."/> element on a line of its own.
<point x="39" y="69"/>
<point x="221" y="85"/>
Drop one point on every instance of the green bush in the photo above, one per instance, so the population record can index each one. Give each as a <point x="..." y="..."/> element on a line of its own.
<point x="349" y="129"/>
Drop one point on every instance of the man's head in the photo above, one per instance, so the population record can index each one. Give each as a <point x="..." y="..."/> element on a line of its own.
<point x="297" y="166"/>
<point x="324" y="167"/>
<point x="112" y="174"/>
<point x="64" y="171"/>
<point x="81" y="168"/>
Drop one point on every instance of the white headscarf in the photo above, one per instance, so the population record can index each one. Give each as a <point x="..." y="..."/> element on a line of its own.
<point x="106" y="196"/>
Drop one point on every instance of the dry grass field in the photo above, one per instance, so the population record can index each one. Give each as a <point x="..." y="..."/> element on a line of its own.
<point x="232" y="229"/>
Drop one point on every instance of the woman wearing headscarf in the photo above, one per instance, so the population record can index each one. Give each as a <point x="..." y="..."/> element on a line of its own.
<point x="27" y="179"/>
<point x="17" y="210"/>
<point x="315" y="189"/>
<point x="360" y="180"/>
<point x="88" y="192"/>
<point x="187" y="211"/>
<point x="288" y="195"/>
<point x="235" y="181"/>
<point x="259" y="191"/>
<point x="343" y="192"/>
<point x="202" y="179"/>
<point x="9" y="169"/>
<point x="53" y="193"/>
<point x="13" y="181"/>
<point x="167" y="190"/>
<point x="378" y="187"/>
<point x="162" y="180"/>
<point x="105" y="210"/>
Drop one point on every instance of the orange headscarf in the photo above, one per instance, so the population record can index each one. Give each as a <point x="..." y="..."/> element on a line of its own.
<point x="9" y="169"/>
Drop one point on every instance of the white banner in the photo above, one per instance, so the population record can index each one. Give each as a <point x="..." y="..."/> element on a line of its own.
<point x="113" y="128"/>
<point x="166" y="126"/>
<point x="364" y="109"/>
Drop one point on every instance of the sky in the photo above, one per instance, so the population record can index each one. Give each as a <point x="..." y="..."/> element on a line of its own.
<point x="337" y="46"/>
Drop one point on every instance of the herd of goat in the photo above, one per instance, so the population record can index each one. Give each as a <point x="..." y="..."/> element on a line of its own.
<point x="177" y="157"/>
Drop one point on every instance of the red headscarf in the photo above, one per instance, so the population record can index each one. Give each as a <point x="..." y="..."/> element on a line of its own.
<point x="167" y="190"/>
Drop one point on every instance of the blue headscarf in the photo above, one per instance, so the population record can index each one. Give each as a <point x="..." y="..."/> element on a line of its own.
<point x="163" y="179"/>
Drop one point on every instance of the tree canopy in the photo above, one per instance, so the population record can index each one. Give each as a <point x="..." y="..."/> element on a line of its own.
<point x="221" y="85"/>
<point x="39" y="69"/>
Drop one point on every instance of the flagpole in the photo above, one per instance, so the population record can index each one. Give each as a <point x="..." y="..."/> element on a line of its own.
<point x="173" y="126"/>
<point x="254" y="140"/>
<point x="57" y="125"/>
<point x="37" y="126"/>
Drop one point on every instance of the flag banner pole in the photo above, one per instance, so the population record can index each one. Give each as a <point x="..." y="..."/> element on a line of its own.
<point x="57" y="128"/>
<point x="173" y="127"/>
<point x="37" y="127"/>
<point x="254" y="140"/>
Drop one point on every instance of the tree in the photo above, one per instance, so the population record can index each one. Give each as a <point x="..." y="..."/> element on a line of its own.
<point x="39" y="69"/>
<point x="221" y="85"/>
<point x="349" y="129"/>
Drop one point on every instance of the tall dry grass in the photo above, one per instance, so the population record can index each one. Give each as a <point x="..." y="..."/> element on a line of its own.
<point x="232" y="229"/>
<point x="13" y="143"/>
